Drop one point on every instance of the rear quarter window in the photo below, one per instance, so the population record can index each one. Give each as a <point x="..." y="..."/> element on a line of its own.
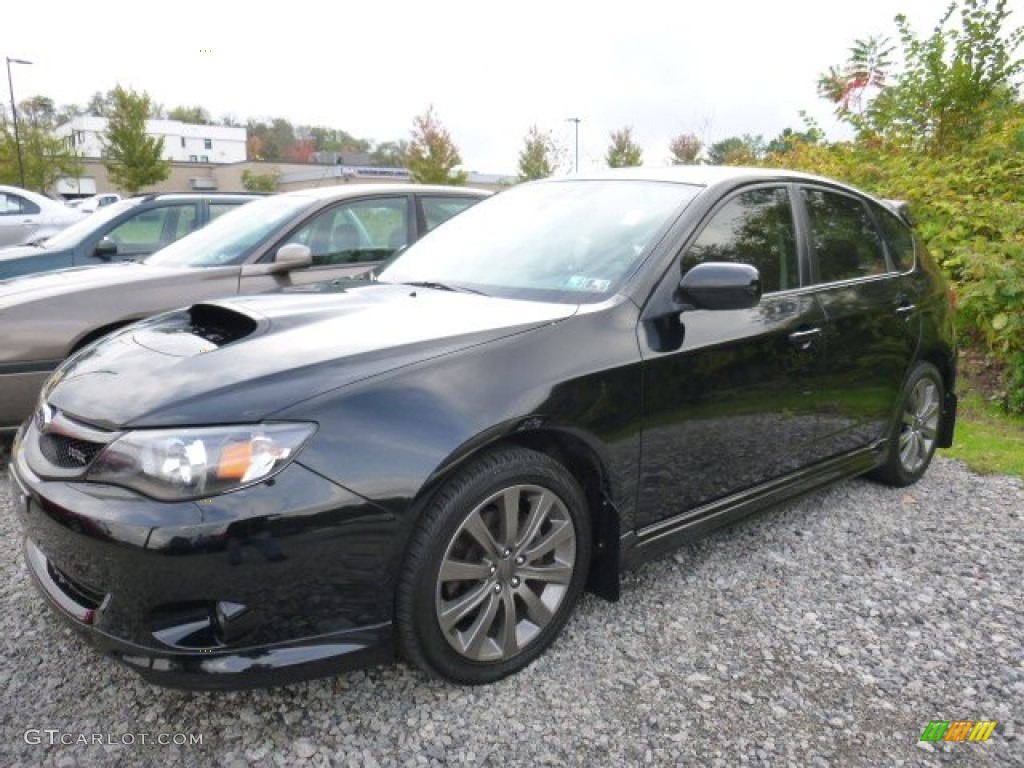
<point x="899" y="240"/>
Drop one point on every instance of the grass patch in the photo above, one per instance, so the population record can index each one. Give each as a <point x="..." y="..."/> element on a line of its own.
<point x="987" y="439"/>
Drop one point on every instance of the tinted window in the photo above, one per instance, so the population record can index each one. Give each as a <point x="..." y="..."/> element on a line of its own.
<point x="844" y="240"/>
<point x="755" y="227"/>
<point x="437" y="210"/>
<point x="147" y="228"/>
<point x="357" y="232"/>
<point x="186" y="221"/>
<point x="898" y="238"/>
<point x="12" y="205"/>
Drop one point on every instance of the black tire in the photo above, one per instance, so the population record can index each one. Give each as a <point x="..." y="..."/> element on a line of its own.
<point x="915" y="429"/>
<point x="460" y="626"/>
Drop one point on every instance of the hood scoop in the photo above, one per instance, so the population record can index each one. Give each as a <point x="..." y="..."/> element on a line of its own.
<point x="202" y="328"/>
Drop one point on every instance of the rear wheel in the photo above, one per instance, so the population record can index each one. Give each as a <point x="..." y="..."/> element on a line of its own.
<point x="494" y="568"/>
<point x="912" y="437"/>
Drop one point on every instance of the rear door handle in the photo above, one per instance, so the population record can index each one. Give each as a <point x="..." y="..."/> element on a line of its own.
<point x="803" y="339"/>
<point x="905" y="308"/>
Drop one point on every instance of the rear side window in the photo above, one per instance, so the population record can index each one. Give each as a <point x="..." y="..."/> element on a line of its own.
<point x="756" y="228"/>
<point x="219" y="209"/>
<point x="437" y="210"/>
<point x="898" y="238"/>
<point x="844" y="240"/>
<point x="14" y="205"/>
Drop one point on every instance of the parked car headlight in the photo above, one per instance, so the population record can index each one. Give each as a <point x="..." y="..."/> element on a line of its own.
<point x="183" y="464"/>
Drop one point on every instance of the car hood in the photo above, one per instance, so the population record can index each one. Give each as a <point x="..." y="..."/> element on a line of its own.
<point x="243" y="359"/>
<point x="42" y="285"/>
<point x="19" y="252"/>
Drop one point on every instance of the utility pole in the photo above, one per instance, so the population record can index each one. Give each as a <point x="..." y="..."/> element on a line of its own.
<point x="576" y="122"/>
<point x="14" y="114"/>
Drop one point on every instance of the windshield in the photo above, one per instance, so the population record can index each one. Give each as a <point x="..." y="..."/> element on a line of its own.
<point x="573" y="241"/>
<point x="77" y="232"/>
<point x="230" y="238"/>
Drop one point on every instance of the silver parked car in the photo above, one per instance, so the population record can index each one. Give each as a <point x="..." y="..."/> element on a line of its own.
<point x="27" y="217"/>
<point x="293" y="239"/>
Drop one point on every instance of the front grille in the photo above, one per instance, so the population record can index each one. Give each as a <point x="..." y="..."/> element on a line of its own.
<point x="58" y="446"/>
<point x="68" y="452"/>
<point x="85" y="596"/>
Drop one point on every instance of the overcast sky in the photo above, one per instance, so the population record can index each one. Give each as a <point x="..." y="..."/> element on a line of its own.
<point x="716" y="68"/>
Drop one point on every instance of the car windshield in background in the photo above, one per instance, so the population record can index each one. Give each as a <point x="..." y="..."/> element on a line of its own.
<point x="232" y="237"/>
<point x="570" y="241"/>
<point x="73" y="235"/>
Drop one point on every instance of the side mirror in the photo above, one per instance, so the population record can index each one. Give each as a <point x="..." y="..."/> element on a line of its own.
<point x="105" y="249"/>
<point x="292" y="256"/>
<point x="720" y="285"/>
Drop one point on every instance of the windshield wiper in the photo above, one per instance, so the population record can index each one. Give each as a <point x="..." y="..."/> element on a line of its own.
<point x="445" y="287"/>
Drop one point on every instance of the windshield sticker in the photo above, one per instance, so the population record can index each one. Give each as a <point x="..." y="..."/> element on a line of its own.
<point x="591" y="284"/>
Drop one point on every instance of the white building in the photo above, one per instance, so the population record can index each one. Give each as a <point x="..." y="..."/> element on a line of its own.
<point x="183" y="142"/>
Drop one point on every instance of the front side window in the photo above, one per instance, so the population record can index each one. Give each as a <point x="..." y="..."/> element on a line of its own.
<point x="756" y="228"/>
<point x="357" y="232"/>
<point x="844" y="240"/>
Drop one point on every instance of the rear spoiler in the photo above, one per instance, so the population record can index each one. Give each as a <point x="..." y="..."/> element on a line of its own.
<point x="902" y="209"/>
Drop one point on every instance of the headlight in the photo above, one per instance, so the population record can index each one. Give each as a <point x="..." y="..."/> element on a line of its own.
<point x="182" y="464"/>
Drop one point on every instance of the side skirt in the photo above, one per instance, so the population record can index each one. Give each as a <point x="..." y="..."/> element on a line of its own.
<point x="667" y="535"/>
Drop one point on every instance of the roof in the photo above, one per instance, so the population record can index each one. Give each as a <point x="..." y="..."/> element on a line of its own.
<point x="704" y="175"/>
<point x="360" y="190"/>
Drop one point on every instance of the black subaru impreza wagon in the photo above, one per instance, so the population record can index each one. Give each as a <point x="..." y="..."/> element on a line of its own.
<point x="432" y="463"/>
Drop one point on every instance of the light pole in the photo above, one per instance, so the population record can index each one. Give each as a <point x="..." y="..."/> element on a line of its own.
<point x="576" y="122"/>
<point x="14" y="115"/>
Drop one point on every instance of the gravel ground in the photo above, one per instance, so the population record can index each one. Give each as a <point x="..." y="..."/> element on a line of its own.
<point x="829" y="631"/>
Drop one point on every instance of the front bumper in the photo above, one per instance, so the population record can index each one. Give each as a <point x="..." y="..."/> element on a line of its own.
<point x="283" y="581"/>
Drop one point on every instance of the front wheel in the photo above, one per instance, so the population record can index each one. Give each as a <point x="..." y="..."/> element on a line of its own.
<point x="494" y="568"/>
<point x="912" y="438"/>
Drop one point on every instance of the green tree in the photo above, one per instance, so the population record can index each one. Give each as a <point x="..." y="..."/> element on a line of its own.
<point x="45" y="157"/>
<point x="789" y="138"/>
<point x="270" y="139"/>
<point x="537" y="157"/>
<point x="194" y="115"/>
<point x="623" y="152"/>
<point x="99" y="104"/>
<point x="259" y="182"/>
<point x="390" y="154"/>
<point x="133" y="159"/>
<point x="334" y="139"/>
<point x="948" y="79"/>
<point x="685" y="148"/>
<point x="737" y="150"/>
<point x="433" y="157"/>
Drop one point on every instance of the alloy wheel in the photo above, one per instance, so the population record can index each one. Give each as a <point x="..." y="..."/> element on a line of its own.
<point x="920" y="425"/>
<point x="505" y="572"/>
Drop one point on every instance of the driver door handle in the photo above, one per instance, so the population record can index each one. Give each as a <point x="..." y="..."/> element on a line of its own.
<point x="804" y="338"/>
